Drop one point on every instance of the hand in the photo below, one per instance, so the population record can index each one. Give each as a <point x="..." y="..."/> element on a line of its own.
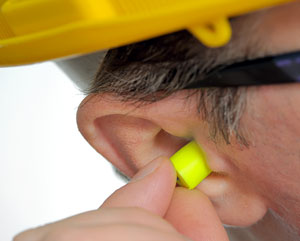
<point x="147" y="208"/>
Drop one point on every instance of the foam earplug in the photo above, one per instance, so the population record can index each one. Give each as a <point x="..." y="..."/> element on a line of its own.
<point x="190" y="164"/>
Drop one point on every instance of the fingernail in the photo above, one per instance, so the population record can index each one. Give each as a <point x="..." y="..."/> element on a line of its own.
<point x="148" y="169"/>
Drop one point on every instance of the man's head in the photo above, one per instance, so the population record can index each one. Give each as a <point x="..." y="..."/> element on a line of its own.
<point x="137" y="111"/>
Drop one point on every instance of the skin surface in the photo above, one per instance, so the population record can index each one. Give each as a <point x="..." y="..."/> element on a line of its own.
<point x="246" y="183"/>
<point x="135" y="213"/>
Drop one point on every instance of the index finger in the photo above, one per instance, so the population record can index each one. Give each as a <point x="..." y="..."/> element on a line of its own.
<point x="151" y="188"/>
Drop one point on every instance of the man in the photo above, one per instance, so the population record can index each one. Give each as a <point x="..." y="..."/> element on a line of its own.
<point x="138" y="113"/>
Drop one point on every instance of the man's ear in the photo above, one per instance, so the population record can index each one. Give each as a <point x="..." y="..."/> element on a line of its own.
<point x="130" y="137"/>
<point x="126" y="135"/>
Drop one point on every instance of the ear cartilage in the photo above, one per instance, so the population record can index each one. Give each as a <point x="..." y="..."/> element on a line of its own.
<point x="190" y="165"/>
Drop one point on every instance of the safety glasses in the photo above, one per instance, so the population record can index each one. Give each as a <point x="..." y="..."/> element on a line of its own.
<point x="280" y="69"/>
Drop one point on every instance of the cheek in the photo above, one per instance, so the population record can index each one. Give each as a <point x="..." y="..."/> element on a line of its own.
<point x="271" y="124"/>
<point x="264" y="174"/>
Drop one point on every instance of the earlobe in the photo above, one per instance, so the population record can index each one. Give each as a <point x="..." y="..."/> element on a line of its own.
<point x="243" y="210"/>
<point x="235" y="203"/>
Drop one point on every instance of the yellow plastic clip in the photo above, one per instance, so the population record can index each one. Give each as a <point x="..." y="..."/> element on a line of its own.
<point x="215" y="34"/>
<point x="190" y="164"/>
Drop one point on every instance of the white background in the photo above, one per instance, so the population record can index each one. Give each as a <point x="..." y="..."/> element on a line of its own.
<point x="47" y="170"/>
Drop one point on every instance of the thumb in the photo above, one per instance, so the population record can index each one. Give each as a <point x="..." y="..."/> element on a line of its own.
<point x="151" y="188"/>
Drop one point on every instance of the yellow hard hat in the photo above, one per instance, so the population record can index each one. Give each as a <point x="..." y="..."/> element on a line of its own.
<point x="38" y="30"/>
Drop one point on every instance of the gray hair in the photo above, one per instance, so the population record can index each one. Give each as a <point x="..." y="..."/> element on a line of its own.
<point x="149" y="71"/>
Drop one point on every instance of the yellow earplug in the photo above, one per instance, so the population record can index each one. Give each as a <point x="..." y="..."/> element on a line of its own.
<point x="190" y="164"/>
